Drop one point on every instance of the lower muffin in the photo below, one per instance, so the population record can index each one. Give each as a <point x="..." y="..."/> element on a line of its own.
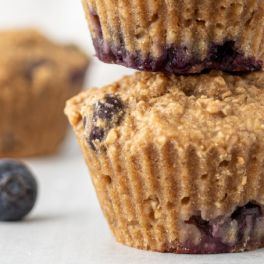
<point x="37" y="76"/>
<point x="180" y="37"/>
<point x="177" y="162"/>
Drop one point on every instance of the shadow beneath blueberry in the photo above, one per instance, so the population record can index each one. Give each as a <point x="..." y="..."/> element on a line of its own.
<point x="71" y="215"/>
<point x="38" y="219"/>
<point x="45" y="218"/>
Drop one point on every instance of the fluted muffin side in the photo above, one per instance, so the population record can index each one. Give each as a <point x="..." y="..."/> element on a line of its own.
<point x="180" y="37"/>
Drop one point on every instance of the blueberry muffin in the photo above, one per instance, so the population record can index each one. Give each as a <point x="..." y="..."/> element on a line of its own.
<point x="37" y="76"/>
<point x="179" y="37"/>
<point x="177" y="162"/>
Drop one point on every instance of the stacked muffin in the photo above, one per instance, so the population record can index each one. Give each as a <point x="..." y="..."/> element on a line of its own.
<point x="177" y="160"/>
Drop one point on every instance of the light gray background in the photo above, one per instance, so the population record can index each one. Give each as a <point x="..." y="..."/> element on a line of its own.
<point x="67" y="227"/>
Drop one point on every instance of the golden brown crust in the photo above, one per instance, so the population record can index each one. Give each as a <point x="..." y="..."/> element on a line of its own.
<point x="186" y="146"/>
<point x="37" y="76"/>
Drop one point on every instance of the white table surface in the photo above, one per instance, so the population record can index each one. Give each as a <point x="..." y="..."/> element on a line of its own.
<point x="66" y="226"/>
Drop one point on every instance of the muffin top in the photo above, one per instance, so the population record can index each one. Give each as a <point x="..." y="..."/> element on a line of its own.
<point x="28" y="57"/>
<point x="210" y="110"/>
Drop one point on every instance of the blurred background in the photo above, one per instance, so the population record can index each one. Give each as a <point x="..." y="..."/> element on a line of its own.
<point x="67" y="217"/>
<point x="66" y="225"/>
<point x="63" y="20"/>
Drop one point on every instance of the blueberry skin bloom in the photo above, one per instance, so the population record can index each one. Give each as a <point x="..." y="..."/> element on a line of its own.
<point x="18" y="190"/>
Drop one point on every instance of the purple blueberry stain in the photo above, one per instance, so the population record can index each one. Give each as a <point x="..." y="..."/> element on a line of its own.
<point x="215" y="235"/>
<point x="228" y="58"/>
<point x="178" y="59"/>
<point x="95" y="20"/>
<point x="222" y="53"/>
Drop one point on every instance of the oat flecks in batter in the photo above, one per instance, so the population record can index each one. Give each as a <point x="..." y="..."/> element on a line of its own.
<point x="184" y="164"/>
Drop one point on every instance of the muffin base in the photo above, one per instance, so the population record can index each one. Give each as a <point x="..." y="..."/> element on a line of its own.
<point x="245" y="222"/>
<point x="192" y="42"/>
<point x="175" y="60"/>
<point x="241" y="229"/>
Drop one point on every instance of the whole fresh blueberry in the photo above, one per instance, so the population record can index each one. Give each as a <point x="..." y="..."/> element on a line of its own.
<point x="18" y="190"/>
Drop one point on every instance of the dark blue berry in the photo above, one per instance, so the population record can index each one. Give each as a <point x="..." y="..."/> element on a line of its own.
<point x="97" y="134"/>
<point x="18" y="190"/>
<point x="221" y="53"/>
<point x="108" y="108"/>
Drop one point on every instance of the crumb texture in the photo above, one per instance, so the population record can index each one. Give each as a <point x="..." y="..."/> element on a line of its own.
<point x="183" y="167"/>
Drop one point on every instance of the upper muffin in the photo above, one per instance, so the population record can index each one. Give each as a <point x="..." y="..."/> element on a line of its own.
<point x="178" y="36"/>
<point x="177" y="162"/>
<point x="37" y="76"/>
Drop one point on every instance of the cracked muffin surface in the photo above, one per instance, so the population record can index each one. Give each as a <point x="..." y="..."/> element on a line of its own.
<point x="179" y="37"/>
<point x="177" y="161"/>
<point x="37" y="76"/>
